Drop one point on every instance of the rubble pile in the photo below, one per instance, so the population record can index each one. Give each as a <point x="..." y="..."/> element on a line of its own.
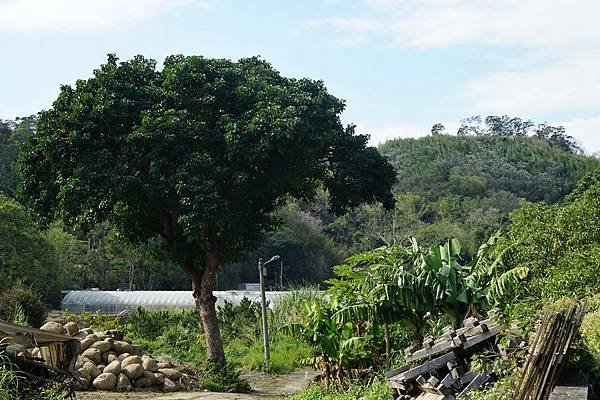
<point x="108" y="361"/>
<point x="441" y="369"/>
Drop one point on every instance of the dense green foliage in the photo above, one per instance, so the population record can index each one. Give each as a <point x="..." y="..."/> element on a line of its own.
<point x="461" y="186"/>
<point x="26" y="256"/>
<point x="560" y="243"/>
<point x="19" y="300"/>
<point x="13" y="134"/>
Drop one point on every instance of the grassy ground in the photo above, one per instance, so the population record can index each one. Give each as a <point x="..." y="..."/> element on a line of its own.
<point x="378" y="390"/>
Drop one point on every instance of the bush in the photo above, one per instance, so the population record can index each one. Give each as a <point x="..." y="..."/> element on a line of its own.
<point x="588" y="356"/>
<point x="18" y="301"/>
<point x="151" y="324"/>
<point x="240" y="321"/>
<point x="224" y="380"/>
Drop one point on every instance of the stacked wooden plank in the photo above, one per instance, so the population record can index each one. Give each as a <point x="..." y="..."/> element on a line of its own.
<point x="548" y="352"/>
<point x="441" y="368"/>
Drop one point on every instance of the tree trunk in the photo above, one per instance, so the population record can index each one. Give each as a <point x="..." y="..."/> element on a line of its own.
<point x="202" y="285"/>
<point x="205" y="302"/>
<point x="388" y="343"/>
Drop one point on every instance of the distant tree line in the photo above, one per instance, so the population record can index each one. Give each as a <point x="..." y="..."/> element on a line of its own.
<point x="506" y="126"/>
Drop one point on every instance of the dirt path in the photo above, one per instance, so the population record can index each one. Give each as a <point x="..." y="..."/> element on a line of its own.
<point x="263" y="387"/>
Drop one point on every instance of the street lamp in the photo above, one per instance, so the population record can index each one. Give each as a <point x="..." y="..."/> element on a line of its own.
<point x="262" y="273"/>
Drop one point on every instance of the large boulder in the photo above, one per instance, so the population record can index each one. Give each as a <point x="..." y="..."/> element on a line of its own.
<point x="146" y="380"/>
<point x="131" y="360"/>
<point x="121" y="347"/>
<point x="123" y="383"/>
<point x="91" y="368"/>
<point x="80" y="361"/>
<point x="53" y="327"/>
<point x="108" y="354"/>
<point x="83" y="373"/>
<point x="81" y="384"/>
<point x="150" y="365"/>
<point x="169" y="386"/>
<point x="113" y="333"/>
<point x="114" y="368"/>
<point x="93" y="354"/>
<point x="136" y="350"/>
<point x="71" y="328"/>
<point x="133" y="371"/>
<point x="87" y="331"/>
<point x="163" y="364"/>
<point x="102" y="345"/>
<point x="105" y="381"/>
<point x="87" y="342"/>
<point x="159" y="378"/>
<point x="171" y="373"/>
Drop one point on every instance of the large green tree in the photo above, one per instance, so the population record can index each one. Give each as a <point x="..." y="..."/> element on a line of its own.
<point x="200" y="153"/>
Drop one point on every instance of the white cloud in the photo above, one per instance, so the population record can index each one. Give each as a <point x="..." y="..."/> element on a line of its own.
<point x="81" y="15"/>
<point x="572" y="84"/>
<point x="439" y="23"/>
<point x="350" y="31"/>
<point x="354" y="25"/>
<point x="586" y="131"/>
<point x="556" y="66"/>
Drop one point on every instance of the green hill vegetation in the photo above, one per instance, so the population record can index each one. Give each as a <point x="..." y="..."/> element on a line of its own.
<point x="461" y="186"/>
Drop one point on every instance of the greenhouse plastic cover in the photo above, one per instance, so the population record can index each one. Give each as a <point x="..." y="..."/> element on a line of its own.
<point x="117" y="301"/>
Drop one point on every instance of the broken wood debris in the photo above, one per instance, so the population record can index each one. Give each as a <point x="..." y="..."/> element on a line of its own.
<point x="548" y="352"/>
<point x="444" y="371"/>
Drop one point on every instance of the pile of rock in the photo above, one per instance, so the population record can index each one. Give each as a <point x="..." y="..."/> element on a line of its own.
<point x="108" y="361"/>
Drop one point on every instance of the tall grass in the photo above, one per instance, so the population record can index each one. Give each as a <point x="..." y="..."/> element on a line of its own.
<point x="9" y="380"/>
<point x="287" y="309"/>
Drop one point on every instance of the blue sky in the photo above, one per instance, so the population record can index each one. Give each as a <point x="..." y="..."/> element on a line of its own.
<point x="401" y="65"/>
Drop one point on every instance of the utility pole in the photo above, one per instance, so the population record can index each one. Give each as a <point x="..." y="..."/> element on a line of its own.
<point x="281" y="274"/>
<point x="262" y="273"/>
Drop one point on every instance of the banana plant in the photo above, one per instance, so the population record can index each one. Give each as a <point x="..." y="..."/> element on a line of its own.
<point x="401" y="284"/>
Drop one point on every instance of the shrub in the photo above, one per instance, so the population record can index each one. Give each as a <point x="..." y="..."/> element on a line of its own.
<point x="147" y="324"/>
<point x="588" y="356"/>
<point x="24" y="301"/>
<point x="224" y="380"/>
<point x="239" y="321"/>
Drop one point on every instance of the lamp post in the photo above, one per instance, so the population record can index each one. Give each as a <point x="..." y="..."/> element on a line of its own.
<point x="262" y="273"/>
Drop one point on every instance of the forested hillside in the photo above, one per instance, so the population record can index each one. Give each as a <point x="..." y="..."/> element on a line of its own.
<point x="464" y="186"/>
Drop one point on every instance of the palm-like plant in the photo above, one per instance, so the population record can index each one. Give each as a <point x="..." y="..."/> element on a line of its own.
<point x="407" y="283"/>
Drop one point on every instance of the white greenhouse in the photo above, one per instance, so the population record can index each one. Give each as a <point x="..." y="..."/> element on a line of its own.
<point x="114" y="302"/>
